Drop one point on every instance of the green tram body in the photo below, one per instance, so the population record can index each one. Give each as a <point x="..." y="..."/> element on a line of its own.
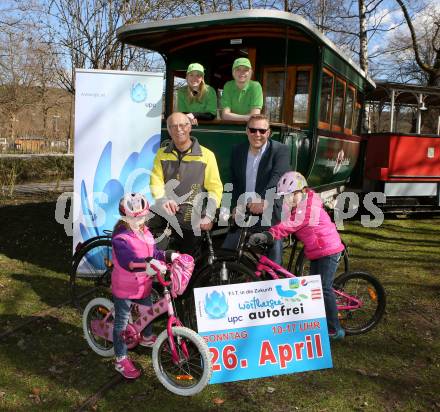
<point x="313" y="94"/>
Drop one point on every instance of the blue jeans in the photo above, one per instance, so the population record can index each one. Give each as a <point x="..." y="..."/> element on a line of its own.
<point x="122" y="314"/>
<point x="275" y="253"/>
<point x="326" y="268"/>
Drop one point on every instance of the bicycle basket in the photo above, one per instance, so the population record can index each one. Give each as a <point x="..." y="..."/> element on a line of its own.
<point x="181" y="271"/>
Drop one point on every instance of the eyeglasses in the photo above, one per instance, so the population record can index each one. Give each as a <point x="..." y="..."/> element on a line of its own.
<point x="255" y="130"/>
<point x="179" y="126"/>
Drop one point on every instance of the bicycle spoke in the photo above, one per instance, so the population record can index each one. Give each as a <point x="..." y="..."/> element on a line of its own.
<point x="187" y="371"/>
<point x="361" y="301"/>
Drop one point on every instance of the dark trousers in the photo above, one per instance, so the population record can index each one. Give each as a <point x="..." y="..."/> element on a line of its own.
<point x="326" y="268"/>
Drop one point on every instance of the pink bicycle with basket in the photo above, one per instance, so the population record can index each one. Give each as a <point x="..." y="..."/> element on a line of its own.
<point x="181" y="358"/>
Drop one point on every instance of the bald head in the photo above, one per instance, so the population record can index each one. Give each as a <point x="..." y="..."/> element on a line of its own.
<point x="179" y="128"/>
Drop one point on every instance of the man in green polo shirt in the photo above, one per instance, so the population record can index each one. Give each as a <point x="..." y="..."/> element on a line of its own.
<point x="242" y="97"/>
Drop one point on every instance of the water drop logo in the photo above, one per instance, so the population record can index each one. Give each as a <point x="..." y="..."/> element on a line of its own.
<point x="100" y="207"/>
<point x="138" y="93"/>
<point x="216" y="305"/>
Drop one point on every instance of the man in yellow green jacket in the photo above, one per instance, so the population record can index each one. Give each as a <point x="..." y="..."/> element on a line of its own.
<point x="185" y="175"/>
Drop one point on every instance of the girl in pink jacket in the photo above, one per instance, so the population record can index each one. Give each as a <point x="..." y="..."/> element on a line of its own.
<point x="305" y="217"/>
<point x="131" y="242"/>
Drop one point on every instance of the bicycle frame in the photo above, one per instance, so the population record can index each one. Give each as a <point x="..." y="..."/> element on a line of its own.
<point x="265" y="265"/>
<point x="293" y="244"/>
<point x="146" y="314"/>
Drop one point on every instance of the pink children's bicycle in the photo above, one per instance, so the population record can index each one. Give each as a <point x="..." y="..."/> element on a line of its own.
<point x="180" y="356"/>
<point x="360" y="297"/>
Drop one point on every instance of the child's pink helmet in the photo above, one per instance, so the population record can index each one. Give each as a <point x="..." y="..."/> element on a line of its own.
<point x="291" y="182"/>
<point x="181" y="271"/>
<point x="133" y="205"/>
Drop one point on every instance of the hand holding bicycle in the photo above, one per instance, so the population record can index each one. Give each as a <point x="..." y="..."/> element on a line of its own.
<point x="261" y="239"/>
<point x="242" y="213"/>
<point x="171" y="207"/>
<point x="154" y="266"/>
<point x="257" y="207"/>
<point x="206" y="223"/>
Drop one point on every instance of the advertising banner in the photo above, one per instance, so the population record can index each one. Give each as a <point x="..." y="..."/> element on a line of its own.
<point x="264" y="328"/>
<point x="117" y="134"/>
<point x="334" y="161"/>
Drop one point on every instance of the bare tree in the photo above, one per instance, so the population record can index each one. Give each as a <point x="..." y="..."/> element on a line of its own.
<point x="84" y="33"/>
<point x="425" y="44"/>
<point x="26" y="79"/>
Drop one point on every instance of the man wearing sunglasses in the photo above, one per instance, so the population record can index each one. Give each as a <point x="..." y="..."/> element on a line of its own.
<point x="256" y="167"/>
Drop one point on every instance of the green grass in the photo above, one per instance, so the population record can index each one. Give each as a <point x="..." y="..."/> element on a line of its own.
<point x="47" y="364"/>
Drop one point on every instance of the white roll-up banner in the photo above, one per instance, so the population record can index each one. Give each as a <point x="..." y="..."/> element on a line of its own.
<point x="117" y="134"/>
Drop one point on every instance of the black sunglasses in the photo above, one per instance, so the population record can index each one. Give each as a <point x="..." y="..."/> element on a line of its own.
<point x="255" y="130"/>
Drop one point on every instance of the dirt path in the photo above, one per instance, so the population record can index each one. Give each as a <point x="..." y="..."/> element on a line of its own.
<point x="38" y="188"/>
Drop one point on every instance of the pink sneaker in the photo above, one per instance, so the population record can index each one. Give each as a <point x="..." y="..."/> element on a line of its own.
<point x="126" y="368"/>
<point x="148" y="341"/>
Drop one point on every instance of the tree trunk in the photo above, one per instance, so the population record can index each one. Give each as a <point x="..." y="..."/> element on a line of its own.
<point x="363" y="40"/>
<point x="434" y="76"/>
<point x="363" y="60"/>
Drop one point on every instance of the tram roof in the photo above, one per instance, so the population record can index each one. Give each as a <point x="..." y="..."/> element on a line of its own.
<point x="156" y="35"/>
<point x="405" y="93"/>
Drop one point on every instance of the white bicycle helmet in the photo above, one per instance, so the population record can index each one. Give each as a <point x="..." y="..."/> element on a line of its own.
<point x="291" y="182"/>
<point x="133" y="205"/>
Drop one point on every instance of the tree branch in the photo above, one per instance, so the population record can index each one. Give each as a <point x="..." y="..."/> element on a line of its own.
<point x="419" y="61"/>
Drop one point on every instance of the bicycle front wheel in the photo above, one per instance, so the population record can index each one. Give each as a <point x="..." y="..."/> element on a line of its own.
<point x="371" y="297"/>
<point x="191" y="373"/>
<point x="91" y="272"/>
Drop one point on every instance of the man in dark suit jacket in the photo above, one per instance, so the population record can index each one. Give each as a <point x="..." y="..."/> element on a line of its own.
<point x="256" y="167"/>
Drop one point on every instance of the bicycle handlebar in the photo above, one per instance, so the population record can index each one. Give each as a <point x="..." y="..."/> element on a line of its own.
<point x="143" y="265"/>
<point x="137" y="265"/>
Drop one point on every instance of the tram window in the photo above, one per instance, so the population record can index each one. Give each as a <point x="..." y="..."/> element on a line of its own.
<point x="301" y="97"/>
<point x="273" y="95"/>
<point x="338" y="105"/>
<point x="357" y="111"/>
<point x="349" y="106"/>
<point x="326" y="100"/>
<point x="179" y="80"/>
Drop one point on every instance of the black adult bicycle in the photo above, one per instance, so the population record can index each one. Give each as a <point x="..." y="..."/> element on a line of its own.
<point x="91" y="269"/>
<point x="92" y="266"/>
<point x="302" y="264"/>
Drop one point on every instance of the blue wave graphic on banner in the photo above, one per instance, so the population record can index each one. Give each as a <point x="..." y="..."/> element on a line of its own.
<point x="100" y="208"/>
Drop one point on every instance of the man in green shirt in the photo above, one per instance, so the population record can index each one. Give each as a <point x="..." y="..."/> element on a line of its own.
<point x="242" y="97"/>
